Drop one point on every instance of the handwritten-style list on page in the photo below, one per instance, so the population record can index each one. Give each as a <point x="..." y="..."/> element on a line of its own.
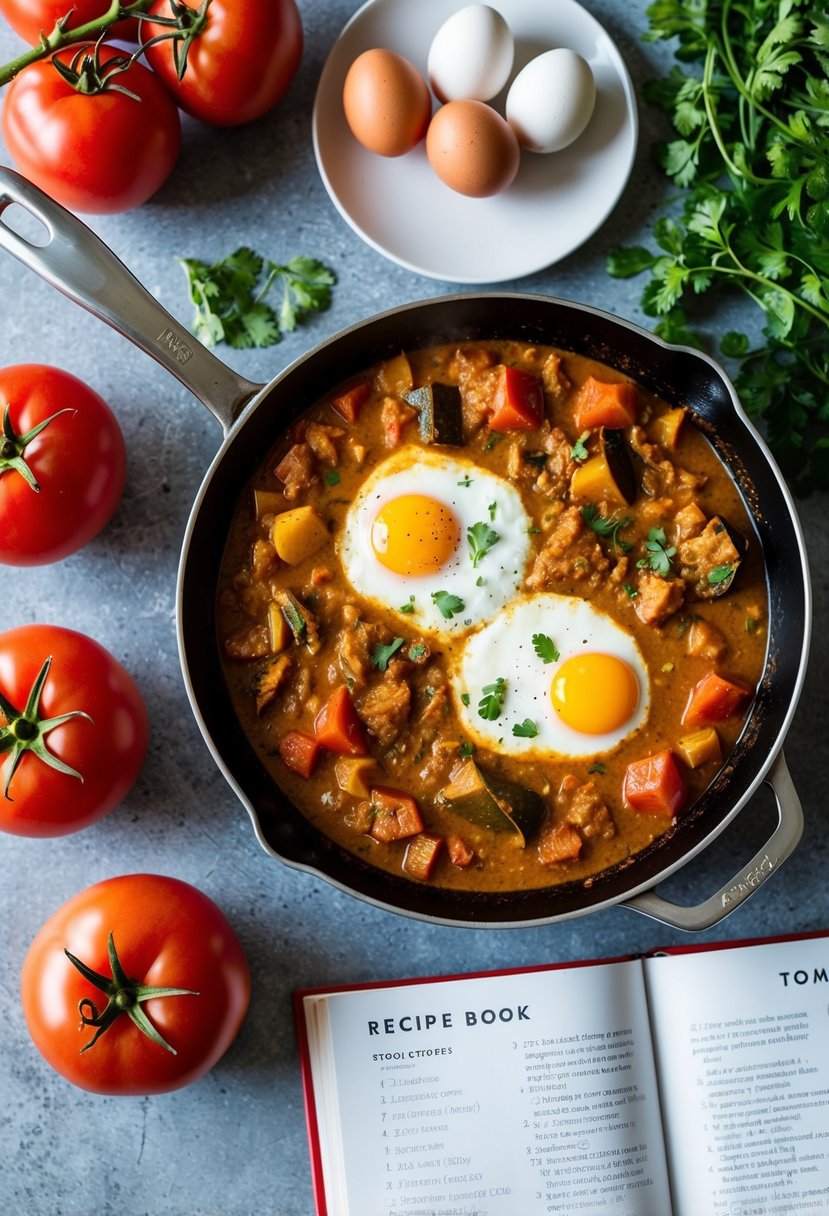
<point x="530" y="1093"/>
<point x="742" y="1038"/>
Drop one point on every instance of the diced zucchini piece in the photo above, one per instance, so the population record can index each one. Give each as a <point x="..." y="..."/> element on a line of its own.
<point x="493" y="802"/>
<point x="440" y="415"/>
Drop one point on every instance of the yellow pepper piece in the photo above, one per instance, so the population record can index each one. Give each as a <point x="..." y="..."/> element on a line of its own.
<point x="279" y="631"/>
<point x="355" y="776"/>
<point x="702" y="747"/>
<point x="298" y="534"/>
<point x="594" y="482"/>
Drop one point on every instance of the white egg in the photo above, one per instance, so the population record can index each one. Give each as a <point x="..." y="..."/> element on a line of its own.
<point x="471" y="55"/>
<point x="573" y="682"/>
<point x="436" y="538"/>
<point x="551" y="100"/>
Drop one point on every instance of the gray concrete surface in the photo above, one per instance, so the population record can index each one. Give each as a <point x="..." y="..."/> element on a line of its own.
<point x="234" y="1143"/>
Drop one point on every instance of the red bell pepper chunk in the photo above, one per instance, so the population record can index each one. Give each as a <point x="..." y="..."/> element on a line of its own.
<point x="459" y="851"/>
<point x="337" y="727"/>
<point x="395" y="814"/>
<point x="655" y="786"/>
<point x="518" y="402"/>
<point x="599" y="403"/>
<point x="298" y="752"/>
<point x="712" y="699"/>
<point x="349" y="403"/>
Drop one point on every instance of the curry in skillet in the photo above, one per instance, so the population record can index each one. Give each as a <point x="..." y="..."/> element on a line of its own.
<point x="492" y="616"/>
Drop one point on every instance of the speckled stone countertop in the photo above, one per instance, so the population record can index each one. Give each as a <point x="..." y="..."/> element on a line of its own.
<point x="235" y="1143"/>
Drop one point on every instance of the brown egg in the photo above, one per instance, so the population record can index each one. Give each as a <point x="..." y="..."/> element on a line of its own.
<point x="472" y="148"/>
<point x="387" y="102"/>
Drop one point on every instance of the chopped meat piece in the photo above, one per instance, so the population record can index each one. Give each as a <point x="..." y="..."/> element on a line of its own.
<point x="360" y="817"/>
<point x="700" y="555"/>
<point x="320" y="439"/>
<point x="570" y="552"/>
<point x="556" y="384"/>
<point x="385" y="709"/>
<point x="584" y="808"/>
<point x="706" y="641"/>
<point x="394" y="416"/>
<point x="662" y="477"/>
<point x="270" y="680"/>
<point x="689" y="521"/>
<point x="552" y="477"/>
<point x="436" y="703"/>
<point x="296" y="470"/>
<point x="658" y="598"/>
<point x="356" y="643"/>
<point x="249" y="642"/>
<point x="262" y="559"/>
<point x="558" y="842"/>
<point x="476" y="380"/>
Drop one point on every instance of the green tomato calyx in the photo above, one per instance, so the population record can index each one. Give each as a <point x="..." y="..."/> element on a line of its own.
<point x="27" y="731"/>
<point x="123" y="996"/>
<point x="12" y="446"/>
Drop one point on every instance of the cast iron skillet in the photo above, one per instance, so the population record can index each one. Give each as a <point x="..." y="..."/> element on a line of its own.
<point x="75" y="261"/>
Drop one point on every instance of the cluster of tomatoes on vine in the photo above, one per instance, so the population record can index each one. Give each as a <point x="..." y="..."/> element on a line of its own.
<point x="94" y="121"/>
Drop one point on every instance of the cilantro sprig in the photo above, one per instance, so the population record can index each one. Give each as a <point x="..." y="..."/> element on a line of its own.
<point x="381" y="655"/>
<point x="481" y="538"/>
<point x="525" y="730"/>
<point x="489" y="706"/>
<point x="749" y="108"/>
<point x="659" y="554"/>
<point x="607" y="526"/>
<point x="545" y="648"/>
<point x="230" y="297"/>
<point x="448" y="605"/>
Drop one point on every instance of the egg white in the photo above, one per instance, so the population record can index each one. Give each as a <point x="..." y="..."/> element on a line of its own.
<point x="504" y="648"/>
<point x="474" y="495"/>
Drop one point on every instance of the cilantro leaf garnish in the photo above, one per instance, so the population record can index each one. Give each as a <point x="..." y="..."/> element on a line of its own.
<point x="230" y="294"/>
<point x="466" y="749"/>
<point x="720" y="574"/>
<point x="481" y="539"/>
<point x="448" y="605"/>
<point x="607" y="526"/>
<point x="630" y="591"/>
<point x="409" y="607"/>
<point x="416" y="651"/>
<point x="659" y="553"/>
<point x="598" y="767"/>
<point x="332" y="478"/>
<point x="525" y="730"/>
<point x="381" y="654"/>
<point x="579" y="449"/>
<point x="545" y="648"/>
<point x="489" y="706"/>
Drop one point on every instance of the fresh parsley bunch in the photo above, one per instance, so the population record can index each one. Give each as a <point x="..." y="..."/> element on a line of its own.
<point x="230" y="297"/>
<point x="752" y="156"/>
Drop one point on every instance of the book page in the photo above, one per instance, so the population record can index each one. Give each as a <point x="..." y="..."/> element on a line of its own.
<point x="524" y="1093"/>
<point x="742" y="1044"/>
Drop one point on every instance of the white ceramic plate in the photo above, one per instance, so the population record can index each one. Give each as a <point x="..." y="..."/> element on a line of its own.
<point x="555" y="203"/>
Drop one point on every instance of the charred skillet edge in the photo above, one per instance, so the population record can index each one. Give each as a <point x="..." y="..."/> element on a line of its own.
<point x="674" y="372"/>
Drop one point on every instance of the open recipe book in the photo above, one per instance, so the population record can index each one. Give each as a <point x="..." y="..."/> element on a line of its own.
<point x="682" y="1084"/>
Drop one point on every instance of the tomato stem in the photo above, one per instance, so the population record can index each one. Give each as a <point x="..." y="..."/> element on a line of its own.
<point x="183" y="26"/>
<point x="123" y="996"/>
<point x="13" y="446"/>
<point x="26" y="731"/>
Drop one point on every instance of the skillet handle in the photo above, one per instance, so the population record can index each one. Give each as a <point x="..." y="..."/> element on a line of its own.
<point x="69" y="256"/>
<point x="779" y="846"/>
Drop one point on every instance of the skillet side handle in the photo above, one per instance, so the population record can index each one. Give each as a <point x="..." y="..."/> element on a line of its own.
<point x="73" y="259"/>
<point x="779" y="846"/>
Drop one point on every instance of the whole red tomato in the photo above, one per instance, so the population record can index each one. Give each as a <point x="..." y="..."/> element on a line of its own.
<point x="165" y="934"/>
<point x="73" y="731"/>
<point x="60" y="484"/>
<point x="239" y="65"/>
<point x="102" y="152"/>
<point x="29" y="17"/>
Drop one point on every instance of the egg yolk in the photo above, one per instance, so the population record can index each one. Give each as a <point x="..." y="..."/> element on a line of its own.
<point x="595" y="693"/>
<point x="414" y="534"/>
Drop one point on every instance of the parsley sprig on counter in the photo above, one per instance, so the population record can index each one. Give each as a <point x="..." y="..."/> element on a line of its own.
<point x="751" y="157"/>
<point x="231" y="297"/>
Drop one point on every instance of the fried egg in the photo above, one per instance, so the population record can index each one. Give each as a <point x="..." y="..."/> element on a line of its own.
<point x="564" y="676"/>
<point x="436" y="538"/>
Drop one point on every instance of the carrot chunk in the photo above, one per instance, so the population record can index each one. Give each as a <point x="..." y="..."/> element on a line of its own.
<point x="712" y="699"/>
<point x="421" y="854"/>
<point x="600" y="403"/>
<point x="560" y="842"/>
<point x="337" y="727"/>
<point x="349" y="403"/>
<point x="655" y="786"/>
<point x="518" y="402"/>
<point x="459" y="851"/>
<point x="299" y="752"/>
<point x="396" y="815"/>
